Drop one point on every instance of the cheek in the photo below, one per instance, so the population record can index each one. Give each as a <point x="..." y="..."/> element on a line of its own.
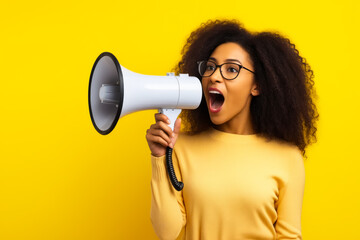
<point x="238" y="92"/>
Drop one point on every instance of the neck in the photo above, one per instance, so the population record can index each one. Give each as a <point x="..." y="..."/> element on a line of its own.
<point x="240" y="124"/>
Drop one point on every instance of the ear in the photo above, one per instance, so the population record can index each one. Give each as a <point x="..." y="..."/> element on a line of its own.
<point x="255" y="90"/>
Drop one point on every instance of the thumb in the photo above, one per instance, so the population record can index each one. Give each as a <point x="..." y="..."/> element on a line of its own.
<point x="177" y="126"/>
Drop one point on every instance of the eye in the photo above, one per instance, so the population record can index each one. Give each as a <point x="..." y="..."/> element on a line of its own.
<point x="210" y="67"/>
<point x="232" y="68"/>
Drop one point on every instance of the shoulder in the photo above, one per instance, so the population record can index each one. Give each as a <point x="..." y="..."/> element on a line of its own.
<point x="282" y="147"/>
<point x="282" y="155"/>
<point x="290" y="156"/>
<point x="286" y="160"/>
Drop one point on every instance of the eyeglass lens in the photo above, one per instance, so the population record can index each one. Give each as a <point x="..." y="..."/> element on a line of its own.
<point x="228" y="70"/>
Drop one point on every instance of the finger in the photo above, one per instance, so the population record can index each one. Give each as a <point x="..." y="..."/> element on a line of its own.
<point x="163" y="126"/>
<point x="160" y="133"/>
<point x="157" y="139"/>
<point x="161" y="117"/>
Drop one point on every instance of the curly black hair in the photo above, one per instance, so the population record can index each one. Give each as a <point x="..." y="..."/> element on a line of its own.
<point x="285" y="108"/>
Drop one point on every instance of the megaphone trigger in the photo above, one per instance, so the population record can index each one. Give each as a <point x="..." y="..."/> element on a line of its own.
<point x="172" y="114"/>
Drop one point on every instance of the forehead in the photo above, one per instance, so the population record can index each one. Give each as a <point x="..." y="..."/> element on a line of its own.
<point x="230" y="50"/>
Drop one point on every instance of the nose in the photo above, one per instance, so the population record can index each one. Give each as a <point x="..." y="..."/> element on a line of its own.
<point x="216" y="76"/>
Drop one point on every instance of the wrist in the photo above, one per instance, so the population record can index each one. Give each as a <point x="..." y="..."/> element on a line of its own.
<point x="157" y="155"/>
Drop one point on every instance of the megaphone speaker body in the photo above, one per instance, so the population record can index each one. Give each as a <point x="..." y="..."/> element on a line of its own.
<point x="115" y="91"/>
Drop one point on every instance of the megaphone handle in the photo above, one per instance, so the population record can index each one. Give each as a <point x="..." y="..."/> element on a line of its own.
<point x="172" y="114"/>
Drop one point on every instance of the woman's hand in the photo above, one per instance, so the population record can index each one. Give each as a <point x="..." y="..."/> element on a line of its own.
<point x="159" y="135"/>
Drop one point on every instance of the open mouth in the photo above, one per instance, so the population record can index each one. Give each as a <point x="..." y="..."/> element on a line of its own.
<point x="216" y="100"/>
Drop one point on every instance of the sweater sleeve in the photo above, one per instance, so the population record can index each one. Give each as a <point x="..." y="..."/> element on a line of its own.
<point x="167" y="206"/>
<point x="289" y="204"/>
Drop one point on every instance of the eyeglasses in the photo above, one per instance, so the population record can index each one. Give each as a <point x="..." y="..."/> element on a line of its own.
<point x="228" y="71"/>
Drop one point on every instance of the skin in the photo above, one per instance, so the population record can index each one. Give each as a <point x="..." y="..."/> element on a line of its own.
<point x="234" y="116"/>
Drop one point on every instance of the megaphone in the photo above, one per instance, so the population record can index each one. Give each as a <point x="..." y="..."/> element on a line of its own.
<point x="115" y="91"/>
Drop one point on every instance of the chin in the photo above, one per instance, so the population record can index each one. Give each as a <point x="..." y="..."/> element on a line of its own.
<point x="217" y="120"/>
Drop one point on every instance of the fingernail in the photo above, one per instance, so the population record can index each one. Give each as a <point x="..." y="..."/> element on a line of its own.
<point x="173" y="134"/>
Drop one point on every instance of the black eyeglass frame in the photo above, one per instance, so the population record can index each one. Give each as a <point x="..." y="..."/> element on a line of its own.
<point x="219" y="66"/>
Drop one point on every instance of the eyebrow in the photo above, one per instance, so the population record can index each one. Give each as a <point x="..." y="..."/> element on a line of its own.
<point x="227" y="60"/>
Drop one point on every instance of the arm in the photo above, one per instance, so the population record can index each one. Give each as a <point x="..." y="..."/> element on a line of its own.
<point x="167" y="207"/>
<point x="289" y="205"/>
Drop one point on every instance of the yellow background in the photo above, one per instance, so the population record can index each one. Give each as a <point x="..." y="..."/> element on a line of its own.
<point x="60" y="179"/>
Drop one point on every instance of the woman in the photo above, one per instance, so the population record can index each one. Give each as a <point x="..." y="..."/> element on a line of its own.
<point x="241" y="154"/>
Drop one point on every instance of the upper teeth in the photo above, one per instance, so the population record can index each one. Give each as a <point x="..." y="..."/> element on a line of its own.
<point x="214" y="92"/>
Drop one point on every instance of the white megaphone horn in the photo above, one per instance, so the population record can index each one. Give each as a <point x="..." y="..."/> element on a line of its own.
<point x="115" y="91"/>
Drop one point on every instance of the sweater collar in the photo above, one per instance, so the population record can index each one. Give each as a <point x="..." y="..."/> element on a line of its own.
<point x="231" y="137"/>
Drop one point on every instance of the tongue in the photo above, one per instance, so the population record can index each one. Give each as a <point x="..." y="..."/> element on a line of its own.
<point x="217" y="101"/>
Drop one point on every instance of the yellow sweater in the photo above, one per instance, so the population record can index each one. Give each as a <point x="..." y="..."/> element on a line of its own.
<point x="235" y="187"/>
